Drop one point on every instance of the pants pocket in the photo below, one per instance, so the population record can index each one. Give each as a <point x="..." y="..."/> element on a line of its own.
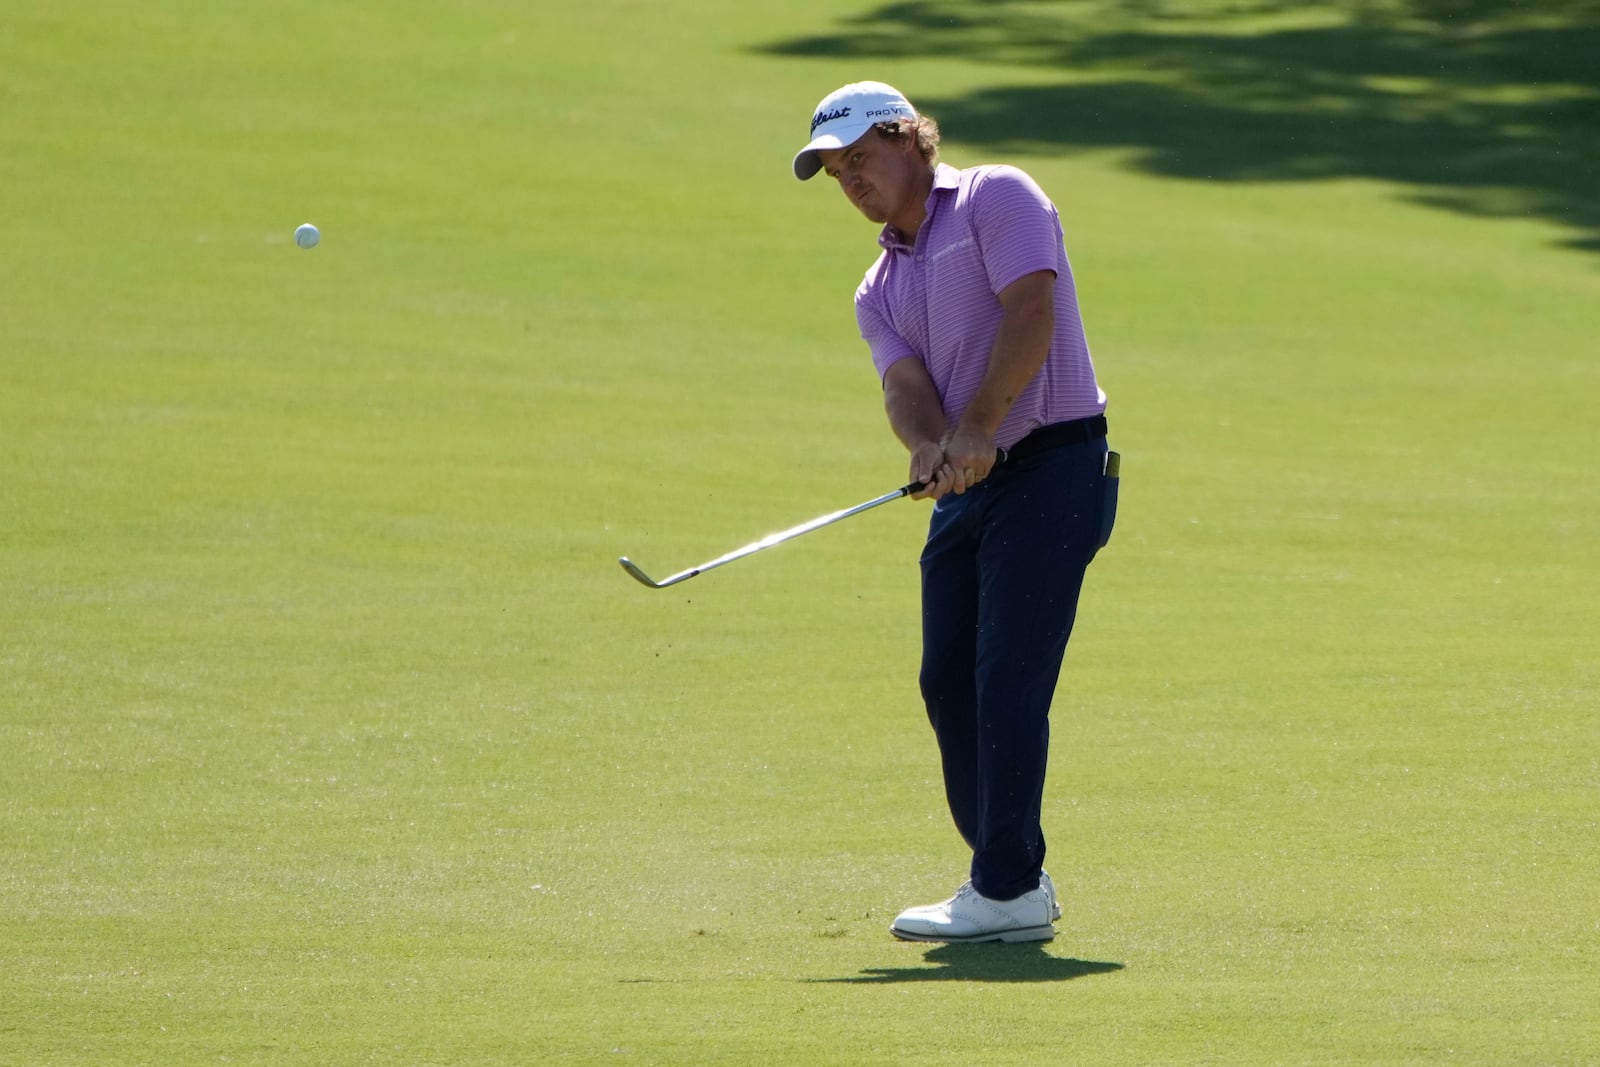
<point x="1109" y="485"/>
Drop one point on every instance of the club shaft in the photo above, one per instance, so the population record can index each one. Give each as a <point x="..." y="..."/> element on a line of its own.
<point x="771" y="539"/>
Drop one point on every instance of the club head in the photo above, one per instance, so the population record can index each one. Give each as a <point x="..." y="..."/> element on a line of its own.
<point x="644" y="579"/>
<point x="640" y="576"/>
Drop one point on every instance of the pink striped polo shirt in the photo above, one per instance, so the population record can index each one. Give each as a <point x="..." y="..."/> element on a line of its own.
<point x="935" y="301"/>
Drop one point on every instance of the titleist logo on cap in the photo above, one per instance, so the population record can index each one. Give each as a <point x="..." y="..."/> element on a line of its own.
<point x="828" y="116"/>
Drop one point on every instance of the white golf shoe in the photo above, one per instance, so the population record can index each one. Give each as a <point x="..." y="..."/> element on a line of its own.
<point x="969" y="916"/>
<point x="1050" y="889"/>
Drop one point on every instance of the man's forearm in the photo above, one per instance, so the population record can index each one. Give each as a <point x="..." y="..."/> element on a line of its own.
<point x="912" y="404"/>
<point x="1021" y="347"/>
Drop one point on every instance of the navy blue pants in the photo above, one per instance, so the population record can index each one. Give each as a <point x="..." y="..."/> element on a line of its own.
<point x="1001" y="573"/>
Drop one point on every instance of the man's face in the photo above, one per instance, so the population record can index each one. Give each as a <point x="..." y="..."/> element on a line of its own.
<point x="878" y="174"/>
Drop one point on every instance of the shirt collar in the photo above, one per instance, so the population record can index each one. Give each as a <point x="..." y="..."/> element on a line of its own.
<point x="945" y="177"/>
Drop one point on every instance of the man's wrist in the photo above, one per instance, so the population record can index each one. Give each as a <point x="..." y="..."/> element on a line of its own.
<point x="970" y="424"/>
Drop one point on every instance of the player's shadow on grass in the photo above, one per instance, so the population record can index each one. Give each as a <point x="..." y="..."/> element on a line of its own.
<point x="983" y="963"/>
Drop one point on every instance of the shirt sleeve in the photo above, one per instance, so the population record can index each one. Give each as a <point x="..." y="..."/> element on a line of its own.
<point x="888" y="347"/>
<point x="1017" y="226"/>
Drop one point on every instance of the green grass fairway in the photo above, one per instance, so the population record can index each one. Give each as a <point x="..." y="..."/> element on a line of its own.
<point x="333" y="734"/>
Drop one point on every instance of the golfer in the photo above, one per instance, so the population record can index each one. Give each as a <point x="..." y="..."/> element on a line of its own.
<point x="972" y="319"/>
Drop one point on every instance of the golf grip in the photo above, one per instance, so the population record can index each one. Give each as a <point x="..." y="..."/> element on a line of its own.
<point x="917" y="487"/>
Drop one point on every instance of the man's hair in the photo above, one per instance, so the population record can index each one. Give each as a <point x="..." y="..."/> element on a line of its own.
<point x="923" y="128"/>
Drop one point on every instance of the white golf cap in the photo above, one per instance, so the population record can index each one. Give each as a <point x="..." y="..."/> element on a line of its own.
<point x="844" y="115"/>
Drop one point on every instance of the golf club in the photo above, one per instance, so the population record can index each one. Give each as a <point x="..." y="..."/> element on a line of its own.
<point x="766" y="542"/>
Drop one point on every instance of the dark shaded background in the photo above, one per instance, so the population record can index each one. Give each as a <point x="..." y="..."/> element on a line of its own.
<point x="1478" y="107"/>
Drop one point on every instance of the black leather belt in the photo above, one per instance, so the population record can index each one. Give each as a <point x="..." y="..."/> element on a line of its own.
<point x="1057" y="434"/>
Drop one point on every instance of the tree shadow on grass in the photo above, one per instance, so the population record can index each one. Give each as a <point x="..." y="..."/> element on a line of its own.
<point x="982" y="963"/>
<point x="1475" y="106"/>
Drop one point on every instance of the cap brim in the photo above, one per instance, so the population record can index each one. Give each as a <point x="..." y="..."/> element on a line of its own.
<point x="806" y="162"/>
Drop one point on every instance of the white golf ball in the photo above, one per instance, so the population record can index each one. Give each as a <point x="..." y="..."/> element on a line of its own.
<point x="306" y="235"/>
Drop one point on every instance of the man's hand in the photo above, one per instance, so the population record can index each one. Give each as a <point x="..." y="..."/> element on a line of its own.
<point x="929" y="468"/>
<point x="965" y="458"/>
<point x="969" y="454"/>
